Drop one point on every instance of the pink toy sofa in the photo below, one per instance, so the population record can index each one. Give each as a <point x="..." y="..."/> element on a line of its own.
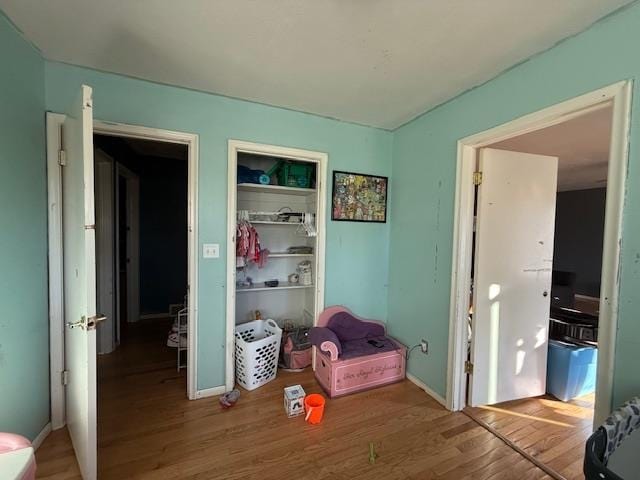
<point x="354" y="354"/>
<point x="17" y="461"/>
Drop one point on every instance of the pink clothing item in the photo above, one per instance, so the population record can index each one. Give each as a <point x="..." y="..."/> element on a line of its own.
<point x="264" y="258"/>
<point x="247" y="242"/>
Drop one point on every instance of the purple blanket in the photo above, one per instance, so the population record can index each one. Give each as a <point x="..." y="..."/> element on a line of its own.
<point x="361" y="347"/>
<point x="347" y="327"/>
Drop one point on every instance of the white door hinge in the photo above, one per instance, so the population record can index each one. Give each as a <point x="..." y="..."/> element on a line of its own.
<point x="477" y="178"/>
<point x="64" y="377"/>
<point x="62" y="157"/>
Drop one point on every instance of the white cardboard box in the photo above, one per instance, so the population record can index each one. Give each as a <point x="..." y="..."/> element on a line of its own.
<point x="294" y="400"/>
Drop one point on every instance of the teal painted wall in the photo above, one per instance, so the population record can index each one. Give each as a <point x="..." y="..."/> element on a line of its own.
<point x="357" y="254"/>
<point x="424" y="157"/>
<point x="24" y="322"/>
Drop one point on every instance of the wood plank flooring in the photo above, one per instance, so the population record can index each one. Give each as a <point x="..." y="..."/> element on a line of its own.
<point x="552" y="431"/>
<point x="149" y="430"/>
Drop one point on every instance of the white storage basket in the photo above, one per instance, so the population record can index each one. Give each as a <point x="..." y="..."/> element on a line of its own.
<point x="257" y="350"/>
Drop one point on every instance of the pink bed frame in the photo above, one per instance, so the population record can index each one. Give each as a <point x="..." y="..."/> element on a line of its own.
<point x="342" y="377"/>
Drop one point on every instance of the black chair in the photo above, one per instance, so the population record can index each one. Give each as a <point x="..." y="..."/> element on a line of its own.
<point x="594" y="468"/>
<point x="615" y="444"/>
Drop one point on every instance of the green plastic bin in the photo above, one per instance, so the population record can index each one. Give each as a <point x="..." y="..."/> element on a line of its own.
<point x="292" y="174"/>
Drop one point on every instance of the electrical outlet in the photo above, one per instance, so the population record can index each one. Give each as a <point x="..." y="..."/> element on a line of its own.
<point x="210" y="250"/>
<point x="424" y="346"/>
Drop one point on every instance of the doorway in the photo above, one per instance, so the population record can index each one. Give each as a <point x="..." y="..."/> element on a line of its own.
<point x="142" y="270"/>
<point x="70" y="157"/>
<point x="141" y="234"/>
<point x="546" y="312"/>
<point x="608" y="173"/>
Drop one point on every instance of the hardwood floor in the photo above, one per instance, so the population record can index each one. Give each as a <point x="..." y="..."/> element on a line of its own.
<point x="149" y="430"/>
<point x="552" y="431"/>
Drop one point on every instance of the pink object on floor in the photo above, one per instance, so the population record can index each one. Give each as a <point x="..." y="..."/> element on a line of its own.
<point x="339" y="376"/>
<point x="17" y="461"/>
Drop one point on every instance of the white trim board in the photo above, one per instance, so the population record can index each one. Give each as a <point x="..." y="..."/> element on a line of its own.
<point x="56" y="285"/>
<point x="56" y="327"/>
<point x="41" y="437"/>
<point x="619" y="95"/>
<point x="321" y="159"/>
<point x="586" y="297"/>
<point x="211" y="392"/>
<point x="423" y="386"/>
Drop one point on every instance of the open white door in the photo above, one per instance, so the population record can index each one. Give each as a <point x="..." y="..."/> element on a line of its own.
<point x="512" y="275"/>
<point x="105" y="250"/>
<point x="132" y="268"/>
<point x="80" y="281"/>
<point x="133" y="247"/>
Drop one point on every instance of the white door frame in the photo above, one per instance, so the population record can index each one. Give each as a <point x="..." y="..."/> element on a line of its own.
<point x="619" y="95"/>
<point x="56" y="322"/>
<point x="56" y="271"/>
<point x="133" y="244"/>
<point x="319" y="158"/>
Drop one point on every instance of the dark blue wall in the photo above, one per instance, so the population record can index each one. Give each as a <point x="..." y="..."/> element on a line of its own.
<point x="163" y="217"/>
<point x="579" y="236"/>
<point x="163" y="233"/>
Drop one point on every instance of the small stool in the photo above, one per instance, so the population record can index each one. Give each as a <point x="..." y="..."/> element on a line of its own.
<point x="17" y="459"/>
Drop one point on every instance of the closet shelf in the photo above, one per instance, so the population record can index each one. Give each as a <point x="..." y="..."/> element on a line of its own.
<point x="287" y="255"/>
<point x="259" y="188"/>
<point x="260" y="287"/>
<point x="269" y="222"/>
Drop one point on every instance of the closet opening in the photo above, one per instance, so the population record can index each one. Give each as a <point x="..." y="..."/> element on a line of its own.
<point x="141" y="196"/>
<point x="540" y="204"/>
<point x="276" y="257"/>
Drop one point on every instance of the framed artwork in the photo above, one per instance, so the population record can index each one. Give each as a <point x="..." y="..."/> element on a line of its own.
<point x="359" y="198"/>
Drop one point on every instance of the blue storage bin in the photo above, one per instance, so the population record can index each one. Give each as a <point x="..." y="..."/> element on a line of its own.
<point x="571" y="370"/>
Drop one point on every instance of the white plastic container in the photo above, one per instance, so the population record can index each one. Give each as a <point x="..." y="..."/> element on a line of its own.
<point x="304" y="273"/>
<point x="257" y="351"/>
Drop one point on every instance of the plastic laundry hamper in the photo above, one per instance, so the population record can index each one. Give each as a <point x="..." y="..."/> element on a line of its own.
<point x="257" y="350"/>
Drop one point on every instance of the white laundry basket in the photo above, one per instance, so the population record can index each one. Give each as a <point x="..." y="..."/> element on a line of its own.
<point x="257" y="350"/>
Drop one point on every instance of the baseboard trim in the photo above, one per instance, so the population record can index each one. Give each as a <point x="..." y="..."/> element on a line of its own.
<point x="416" y="381"/>
<point x="41" y="436"/>
<point x="586" y="297"/>
<point x="151" y="316"/>
<point x="211" y="392"/>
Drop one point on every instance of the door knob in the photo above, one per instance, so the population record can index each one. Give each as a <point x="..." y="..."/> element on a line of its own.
<point x="78" y="324"/>
<point x="88" y="323"/>
<point x="545" y="293"/>
<point x="95" y="320"/>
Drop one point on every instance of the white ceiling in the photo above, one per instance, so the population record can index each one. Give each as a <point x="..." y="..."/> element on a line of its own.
<point x="581" y="145"/>
<point x="373" y="62"/>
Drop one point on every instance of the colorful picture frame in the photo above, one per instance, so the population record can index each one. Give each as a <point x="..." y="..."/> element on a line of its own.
<point x="357" y="197"/>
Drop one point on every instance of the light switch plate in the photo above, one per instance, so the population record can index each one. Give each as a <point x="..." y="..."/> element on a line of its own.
<point x="210" y="250"/>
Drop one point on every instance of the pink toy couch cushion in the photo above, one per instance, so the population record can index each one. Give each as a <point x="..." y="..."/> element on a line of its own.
<point x="354" y="354"/>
